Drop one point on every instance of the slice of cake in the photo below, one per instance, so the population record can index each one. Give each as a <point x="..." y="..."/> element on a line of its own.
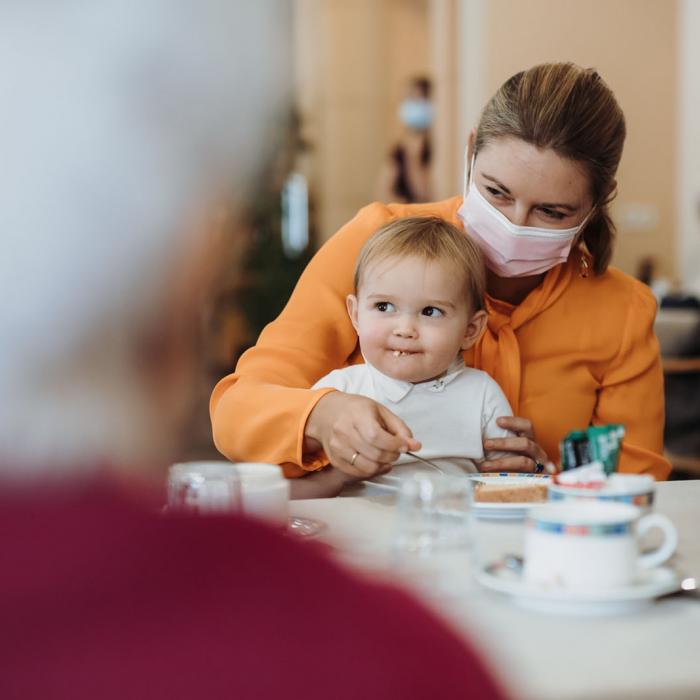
<point x="486" y="492"/>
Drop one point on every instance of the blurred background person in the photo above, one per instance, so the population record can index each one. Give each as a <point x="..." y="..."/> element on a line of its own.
<point x="122" y="124"/>
<point x="406" y="174"/>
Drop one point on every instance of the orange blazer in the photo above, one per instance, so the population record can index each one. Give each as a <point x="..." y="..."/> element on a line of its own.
<point x="577" y="351"/>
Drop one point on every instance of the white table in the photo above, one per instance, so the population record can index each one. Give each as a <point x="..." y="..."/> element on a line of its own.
<point x="654" y="654"/>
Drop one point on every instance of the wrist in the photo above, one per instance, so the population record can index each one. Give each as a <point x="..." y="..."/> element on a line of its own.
<point x="343" y="479"/>
<point x="314" y="428"/>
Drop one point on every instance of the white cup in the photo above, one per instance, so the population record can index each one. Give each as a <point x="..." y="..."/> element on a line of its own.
<point x="265" y="491"/>
<point x="591" y="545"/>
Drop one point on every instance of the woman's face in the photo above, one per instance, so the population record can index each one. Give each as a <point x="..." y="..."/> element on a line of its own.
<point x="532" y="186"/>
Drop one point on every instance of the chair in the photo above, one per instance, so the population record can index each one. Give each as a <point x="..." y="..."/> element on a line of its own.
<point x="682" y="431"/>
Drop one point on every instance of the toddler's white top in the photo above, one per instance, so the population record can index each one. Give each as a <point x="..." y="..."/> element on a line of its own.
<point x="451" y="415"/>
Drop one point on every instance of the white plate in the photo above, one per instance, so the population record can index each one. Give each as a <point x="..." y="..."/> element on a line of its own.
<point x="561" y="601"/>
<point x="401" y="473"/>
<point x="502" y="511"/>
<point x="505" y="511"/>
<point x="486" y="511"/>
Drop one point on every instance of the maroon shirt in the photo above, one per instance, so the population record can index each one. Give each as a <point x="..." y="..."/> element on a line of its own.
<point x="99" y="598"/>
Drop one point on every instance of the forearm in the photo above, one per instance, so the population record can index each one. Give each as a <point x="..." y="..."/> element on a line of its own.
<point x="259" y="422"/>
<point x="259" y="413"/>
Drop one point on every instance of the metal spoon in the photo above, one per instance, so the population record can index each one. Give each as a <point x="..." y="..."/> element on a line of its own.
<point x="509" y="562"/>
<point x="425" y="461"/>
<point x="688" y="588"/>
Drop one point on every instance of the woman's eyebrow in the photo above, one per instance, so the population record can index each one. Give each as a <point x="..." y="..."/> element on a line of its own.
<point x="496" y="182"/>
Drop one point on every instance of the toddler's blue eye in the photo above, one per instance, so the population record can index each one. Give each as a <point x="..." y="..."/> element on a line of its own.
<point x="431" y="311"/>
<point x="384" y="306"/>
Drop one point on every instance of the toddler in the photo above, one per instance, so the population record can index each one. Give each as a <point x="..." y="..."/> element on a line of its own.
<point x="418" y="303"/>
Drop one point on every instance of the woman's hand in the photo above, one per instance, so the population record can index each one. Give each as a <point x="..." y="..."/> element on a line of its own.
<point x="360" y="437"/>
<point x="527" y="456"/>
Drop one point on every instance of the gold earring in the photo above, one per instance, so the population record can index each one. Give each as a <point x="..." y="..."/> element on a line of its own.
<point x="583" y="269"/>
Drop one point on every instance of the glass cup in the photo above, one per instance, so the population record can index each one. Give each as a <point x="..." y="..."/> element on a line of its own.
<point x="433" y="538"/>
<point x="204" y="488"/>
<point x="255" y="489"/>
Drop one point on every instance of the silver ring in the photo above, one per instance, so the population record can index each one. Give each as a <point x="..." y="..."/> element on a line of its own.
<point x="354" y="457"/>
<point x="539" y="467"/>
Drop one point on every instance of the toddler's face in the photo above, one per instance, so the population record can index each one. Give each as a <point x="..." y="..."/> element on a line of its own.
<point x="412" y="318"/>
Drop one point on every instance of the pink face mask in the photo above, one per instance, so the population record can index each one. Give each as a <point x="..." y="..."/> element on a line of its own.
<point x="510" y="250"/>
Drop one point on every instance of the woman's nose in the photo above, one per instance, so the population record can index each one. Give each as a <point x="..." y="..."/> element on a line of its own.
<point x="519" y="215"/>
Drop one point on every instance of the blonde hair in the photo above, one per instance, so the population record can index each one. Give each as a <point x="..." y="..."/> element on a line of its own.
<point x="572" y="111"/>
<point x="431" y="239"/>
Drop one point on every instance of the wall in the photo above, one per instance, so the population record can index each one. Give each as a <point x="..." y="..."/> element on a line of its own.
<point x="353" y="59"/>
<point x="688" y="243"/>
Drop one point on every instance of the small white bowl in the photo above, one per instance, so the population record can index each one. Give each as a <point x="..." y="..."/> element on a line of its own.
<point x="635" y="489"/>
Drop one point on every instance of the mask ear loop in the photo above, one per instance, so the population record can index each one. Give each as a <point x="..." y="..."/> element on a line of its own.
<point x="468" y="172"/>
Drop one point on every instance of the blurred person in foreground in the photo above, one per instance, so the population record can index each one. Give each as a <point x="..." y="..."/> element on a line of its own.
<point x="120" y="122"/>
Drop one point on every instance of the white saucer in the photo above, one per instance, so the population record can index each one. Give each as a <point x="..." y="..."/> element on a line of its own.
<point x="614" y="601"/>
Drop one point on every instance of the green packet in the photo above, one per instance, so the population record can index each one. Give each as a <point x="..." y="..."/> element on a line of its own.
<point x="597" y="443"/>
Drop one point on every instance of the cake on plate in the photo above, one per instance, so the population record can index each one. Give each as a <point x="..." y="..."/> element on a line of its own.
<point x="511" y="491"/>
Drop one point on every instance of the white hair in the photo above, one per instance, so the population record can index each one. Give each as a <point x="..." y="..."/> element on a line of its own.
<point x="117" y="117"/>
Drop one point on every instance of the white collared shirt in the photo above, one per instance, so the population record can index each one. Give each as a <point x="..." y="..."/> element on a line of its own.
<point x="451" y="415"/>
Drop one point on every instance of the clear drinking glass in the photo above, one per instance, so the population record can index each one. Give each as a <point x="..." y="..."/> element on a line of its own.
<point x="204" y="488"/>
<point x="218" y="487"/>
<point x="433" y="539"/>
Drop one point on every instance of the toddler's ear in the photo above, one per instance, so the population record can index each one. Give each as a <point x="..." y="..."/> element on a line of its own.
<point x="351" y="302"/>
<point x="475" y="328"/>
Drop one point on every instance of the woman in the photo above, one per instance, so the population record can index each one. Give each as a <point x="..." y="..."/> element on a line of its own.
<point x="405" y="176"/>
<point x="569" y="340"/>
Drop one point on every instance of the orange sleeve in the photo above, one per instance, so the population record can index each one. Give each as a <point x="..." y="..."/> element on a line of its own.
<point x="632" y="390"/>
<point x="259" y="413"/>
